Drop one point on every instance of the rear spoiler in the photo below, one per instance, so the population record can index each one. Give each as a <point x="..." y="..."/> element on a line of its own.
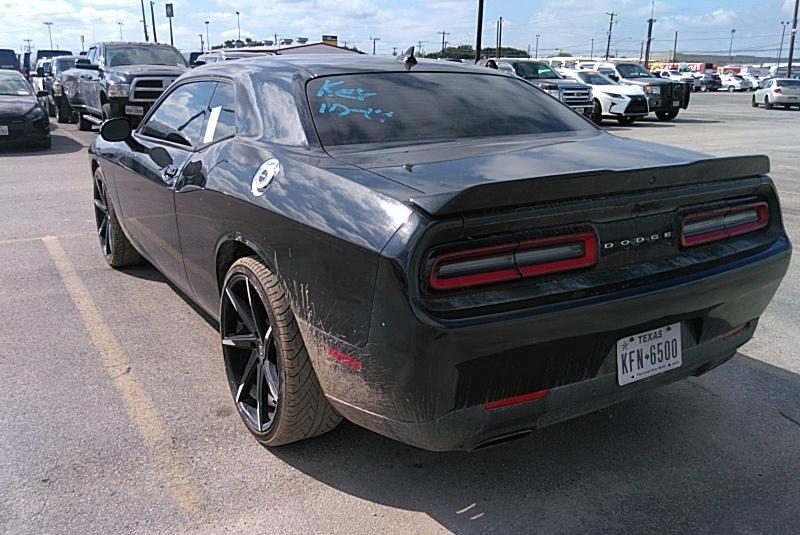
<point x="496" y="195"/>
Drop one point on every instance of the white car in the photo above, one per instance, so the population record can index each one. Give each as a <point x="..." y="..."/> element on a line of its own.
<point x="625" y="103"/>
<point x="734" y="82"/>
<point x="755" y="81"/>
<point x="678" y="76"/>
<point x="778" y="92"/>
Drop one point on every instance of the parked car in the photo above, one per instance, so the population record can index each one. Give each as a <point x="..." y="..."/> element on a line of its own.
<point x="707" y="82"/>
<point x="40" y="72"/>
<point x="58" y="106"/>
<point x="754" y="80"/>
<point x="677" y="76"/>
<point x="625" y="103"/>
<point x="226" y="55"/>
<point x="664" y="97"/>
<point x="778" y="92"/>
<point x="23" y="120"/>
<point x="734" y="82"/>
<point x="576" y="95"/>
<point x="439" y="253"/>
<point x="120" y="79"/>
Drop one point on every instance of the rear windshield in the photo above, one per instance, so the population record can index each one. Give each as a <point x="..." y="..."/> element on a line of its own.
<point x="789" y="83"/>
<point x="63" y="64"/>
<point x="419" y="107"/>
<point x="8" y="59"/>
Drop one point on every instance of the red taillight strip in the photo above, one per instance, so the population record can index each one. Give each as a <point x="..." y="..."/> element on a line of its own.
<point x="584" y="254"/>
<point x="475" y="279"/>
<point x="587" y="259"/>
<point x="762" y="220"/>
<point x="515" y="400"/>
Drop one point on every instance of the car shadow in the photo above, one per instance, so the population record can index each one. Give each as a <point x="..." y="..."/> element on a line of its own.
<point x="61" y="145"/>
<point x="711" y="454"/>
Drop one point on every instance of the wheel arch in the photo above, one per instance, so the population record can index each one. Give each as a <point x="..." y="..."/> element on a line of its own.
<point x="231" y="248"/>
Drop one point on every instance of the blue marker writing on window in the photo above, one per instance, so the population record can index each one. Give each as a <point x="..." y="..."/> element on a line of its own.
<point x="332" y="90"/>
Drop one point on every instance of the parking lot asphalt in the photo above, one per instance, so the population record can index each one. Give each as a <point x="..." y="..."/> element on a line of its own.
<point x="115" y="416"/>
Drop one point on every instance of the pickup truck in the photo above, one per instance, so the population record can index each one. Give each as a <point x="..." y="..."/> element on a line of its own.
<point x="120" y="79"/>
<point x="664" y="97"/>
<point x="574" y="94"/>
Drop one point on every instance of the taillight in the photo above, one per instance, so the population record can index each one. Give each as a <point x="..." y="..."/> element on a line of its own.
<point x="716" y="225"/>
<point x="500" y="263"/>
<point x="777" y="90"/>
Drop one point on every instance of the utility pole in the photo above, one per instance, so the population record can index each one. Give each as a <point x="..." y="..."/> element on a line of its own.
<point x="170" y="12"/>
<point x="202" y="45"/>
<point x="784" y="24"/>
<point x="119" y="23"/>
<point x="591" y="54"/>
<point x="730" y="49"/>
<point x="374" y="40"/>
<point x="28" y="44"/>
<point x="791" y="40"/>
<point x="153" y="20"/>
<point x="538" y="35"/>
<point x="610" y="26"/>
<point x="480" y="31"/>
<point x="650" y="22"/>
<point x="443" y="34"/>
<point x="144" y="22"/>
<point x="675" y="48"/>
<point x="499" y="36"/>
<point x="419" y="47"/>
<point x="49" y="33"/>
<point x="207" y="39"/>
<point x="394" y="50"/>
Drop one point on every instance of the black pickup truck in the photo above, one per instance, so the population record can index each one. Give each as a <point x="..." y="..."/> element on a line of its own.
<point x="120" y="79"/>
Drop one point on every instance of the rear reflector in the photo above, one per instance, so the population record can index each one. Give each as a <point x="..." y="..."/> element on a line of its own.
<point x="725" y="223"/>
<point x="516" y="400"/>
<point x="344" y="359"/>
<point x="513" y="261"/>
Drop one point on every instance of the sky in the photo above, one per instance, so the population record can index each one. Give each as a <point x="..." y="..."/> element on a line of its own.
<point x="568" y="25"/>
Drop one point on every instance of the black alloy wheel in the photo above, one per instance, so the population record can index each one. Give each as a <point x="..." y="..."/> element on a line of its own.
<point x="116" y="248"/>
<point x="272" y="381"/>
<point x="101" y="215"/>
<point x="251" y="357"/>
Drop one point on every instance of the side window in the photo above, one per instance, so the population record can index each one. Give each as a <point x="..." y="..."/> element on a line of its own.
<point x="221" y="114"/>
<point x="181" y="115"/>
<point x="92" y="55"/>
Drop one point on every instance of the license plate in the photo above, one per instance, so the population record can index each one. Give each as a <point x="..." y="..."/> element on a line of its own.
<point x="676" y="103"/>
<point x="3" y="130"/>
<point x="134" y="110"/>
<point x="643" y="355"/>
<point x="792" y="98"/>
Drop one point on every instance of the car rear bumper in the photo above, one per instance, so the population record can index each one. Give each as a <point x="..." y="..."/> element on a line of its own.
<point x="427" y="384"/>
<point x="786" y="99"/>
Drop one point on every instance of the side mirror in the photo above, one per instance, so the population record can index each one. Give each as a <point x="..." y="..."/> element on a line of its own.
<point x="117" y="129"/>
<point x="40" y="72"/>
<point x="84" y="63"/>
<point x="160" y="156"/>
<point x="42" y="94"/>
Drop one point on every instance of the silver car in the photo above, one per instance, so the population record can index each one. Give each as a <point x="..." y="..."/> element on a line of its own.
<point x="778" y="92"/>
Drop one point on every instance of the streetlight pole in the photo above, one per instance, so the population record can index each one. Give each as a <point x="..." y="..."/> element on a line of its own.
<point x="675" y="48"/>
<point x="591" y="54"/>
<point x="238" y="26"/>
<point x="49" y="33"/>
<point x="207" y="39"/>
<point x="499" y="36"/>
<point x="730" y="48"/>
<point x="480" y="30"/>
<point x="536" y="53"/>
<point x="202" y="48"/>
<point x="443" y="34"/>
<point x="119" y="23"/>
<point x="153" y="19"/>
<point x="791" y="40"/>
<point x="784" y="24"/>
<point x="374" y="40"/>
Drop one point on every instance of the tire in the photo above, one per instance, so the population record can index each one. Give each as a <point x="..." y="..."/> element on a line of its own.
<point x="767" y="103"/>
<point x="703" y="88"/>
<point x="47" y="143"/>
<point x="753" y="103"/>
<point x="666" y="115"/>
<point x="597" y="113"/>
<point x="625" y="121"/>
<point x="51" y="108"/>
<point x="731" y="89"/>
<point x="106" y="111"/>
<point x="83" y="124"/>
<point x="262" y="343"/>
<point x="114" y="245"/>
<point x="65" y="114"/>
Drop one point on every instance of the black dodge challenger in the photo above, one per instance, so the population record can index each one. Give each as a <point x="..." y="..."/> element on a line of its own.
<point x="443" y="254"/>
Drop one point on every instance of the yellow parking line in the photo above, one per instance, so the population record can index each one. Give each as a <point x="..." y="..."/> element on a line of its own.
<point x="138" y="403"/>
<point x="39" y="238"/>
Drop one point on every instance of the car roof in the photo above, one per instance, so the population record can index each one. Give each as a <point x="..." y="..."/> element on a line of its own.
<point x="316" y="65"/>
<point x="10" y="71"/>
